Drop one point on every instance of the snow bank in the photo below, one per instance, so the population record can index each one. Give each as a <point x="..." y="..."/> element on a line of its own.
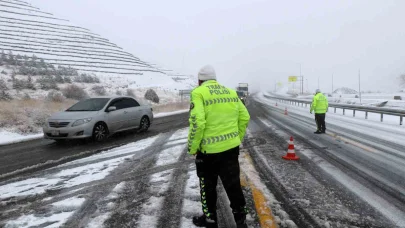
<point x="7" y="137"/>
<point x="163" y="114"/>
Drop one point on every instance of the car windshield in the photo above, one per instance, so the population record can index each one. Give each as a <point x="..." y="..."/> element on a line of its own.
<point x="240" y="93"/>
<point x="93" y="104"/>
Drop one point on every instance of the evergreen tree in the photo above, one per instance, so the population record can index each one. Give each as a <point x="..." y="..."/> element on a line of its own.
<point x="3" y="85"/>
<point x="67" y="79"/>
<point x="3" y="58"/>
<point x="11" y="58"/>
<point x="30" y="83"/>
<point x="5" y="96"/>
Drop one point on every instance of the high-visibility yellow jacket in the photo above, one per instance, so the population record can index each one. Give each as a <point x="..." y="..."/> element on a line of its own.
<point x="319" y="104"/>
<point x="218" y="119"/>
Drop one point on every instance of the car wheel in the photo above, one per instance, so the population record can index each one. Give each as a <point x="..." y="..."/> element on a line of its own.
<point x="145" y="124"/>
<point x="100" y="132"/>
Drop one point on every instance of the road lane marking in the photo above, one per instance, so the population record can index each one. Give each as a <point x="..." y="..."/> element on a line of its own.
<point x="264" y="212"/>
<point x="353" y="143"/>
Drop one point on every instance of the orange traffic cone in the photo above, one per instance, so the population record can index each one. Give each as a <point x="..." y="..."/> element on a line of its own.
<point x="286" y="112"/>
<point x="291" y="151"/>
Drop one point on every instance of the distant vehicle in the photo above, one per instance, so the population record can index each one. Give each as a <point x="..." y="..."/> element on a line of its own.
<point x="97" y="118"/>
<point x="243" y="87"/>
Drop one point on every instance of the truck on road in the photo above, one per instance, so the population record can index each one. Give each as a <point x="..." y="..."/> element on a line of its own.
<point x="243" y="91"/>
<point x="243" y="87"/>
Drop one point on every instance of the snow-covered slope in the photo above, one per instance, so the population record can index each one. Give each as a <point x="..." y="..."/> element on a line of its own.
<point x="345" y="90"/>
<point x="26" y="30"/>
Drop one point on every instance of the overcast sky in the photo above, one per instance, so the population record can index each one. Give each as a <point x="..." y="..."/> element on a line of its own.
<point x="259" y="42"/>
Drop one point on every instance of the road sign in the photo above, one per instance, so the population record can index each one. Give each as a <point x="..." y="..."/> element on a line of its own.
<point x="292" y="78"/>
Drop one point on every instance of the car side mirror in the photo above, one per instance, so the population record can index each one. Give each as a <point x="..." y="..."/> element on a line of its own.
<point x="111" y="109"/>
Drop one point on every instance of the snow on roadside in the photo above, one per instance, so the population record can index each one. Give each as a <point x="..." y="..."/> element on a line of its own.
<point x="57" y="215"/>
<point x="57" y="220"/>
<point x="191" y="202"/>
<point x="127" y="149"/>
<point x="70" y="177"/>
<point x="7" y="137"/>
<point x="164" y="114"/>
<point x="73" y="176"/>
<point x="63" y="179"/>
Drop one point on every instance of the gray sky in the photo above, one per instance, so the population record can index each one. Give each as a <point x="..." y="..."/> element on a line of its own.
<point x="259" y="42"/>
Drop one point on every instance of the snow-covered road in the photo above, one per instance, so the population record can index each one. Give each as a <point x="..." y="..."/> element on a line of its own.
<point x="354" y="175"/>
<point x="350" y="177"/>
<point x="148" y="183"/>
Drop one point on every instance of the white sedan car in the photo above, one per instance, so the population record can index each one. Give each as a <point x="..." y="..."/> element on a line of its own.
<point x="97" y="118"/>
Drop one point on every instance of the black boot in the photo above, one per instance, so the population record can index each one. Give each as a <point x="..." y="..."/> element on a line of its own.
<point x="204" y="221"/>
<point x="317" y="132"/>
<point x="240" y="219"/>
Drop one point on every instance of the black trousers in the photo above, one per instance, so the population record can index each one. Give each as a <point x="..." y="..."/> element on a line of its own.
<point x="320" y="121"/>
<point x="224" y="165"/>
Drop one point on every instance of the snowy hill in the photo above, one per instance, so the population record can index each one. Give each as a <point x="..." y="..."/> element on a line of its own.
<point x="47" y="64"/>
<point x="26" y="30"/>
<point x="345" y="90"/>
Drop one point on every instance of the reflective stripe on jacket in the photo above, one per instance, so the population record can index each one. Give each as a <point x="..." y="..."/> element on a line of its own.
<point x="218" y="119"/>
<point x="319" y="103"/>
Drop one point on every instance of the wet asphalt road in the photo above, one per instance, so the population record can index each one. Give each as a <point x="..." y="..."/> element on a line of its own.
<point x="29" y="154"/>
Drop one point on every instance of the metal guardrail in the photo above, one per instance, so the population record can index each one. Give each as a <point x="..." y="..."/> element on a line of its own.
<point x="184" y="93"/>
<point x="354" y="108"/>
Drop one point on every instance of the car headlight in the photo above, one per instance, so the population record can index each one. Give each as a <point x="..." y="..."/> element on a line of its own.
<point x="80" y="122"/>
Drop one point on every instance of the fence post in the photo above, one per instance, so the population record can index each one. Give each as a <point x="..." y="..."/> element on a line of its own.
<point x="366" y="115"/>
<point x="400" y="120"/>
<point x="335" y="110"/>
<point x="343" y="111"/>
<point x="354" y="113"/>
<point x="382" y="117"/>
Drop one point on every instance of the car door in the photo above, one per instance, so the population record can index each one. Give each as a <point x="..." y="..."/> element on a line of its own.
<point x="118" y="119"/>
<point x="135" y="113"/>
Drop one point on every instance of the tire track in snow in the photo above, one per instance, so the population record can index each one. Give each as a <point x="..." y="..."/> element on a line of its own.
<point x="82" y="217"/>
<point x="174" y="199"/>
<point x="144" y="198"/>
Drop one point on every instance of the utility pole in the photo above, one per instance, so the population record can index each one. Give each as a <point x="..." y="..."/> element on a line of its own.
<point x="359" y="86"/>
<point x="301" y="84"/>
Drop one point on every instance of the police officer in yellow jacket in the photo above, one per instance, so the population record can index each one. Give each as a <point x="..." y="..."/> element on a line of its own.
<point x="320" y="106"/>
<point x="218" y="122"/>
